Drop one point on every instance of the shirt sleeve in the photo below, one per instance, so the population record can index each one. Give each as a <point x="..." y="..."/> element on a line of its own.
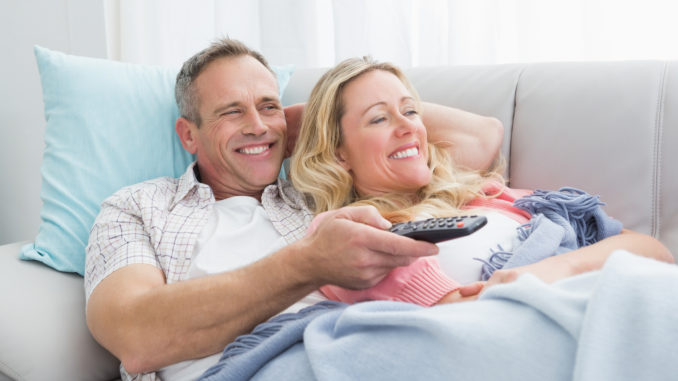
<point x="117" y="239"/>
<point x="423" y="282"/>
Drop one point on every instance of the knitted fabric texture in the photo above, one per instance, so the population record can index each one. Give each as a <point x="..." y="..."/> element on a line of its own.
<point x="562" y="221"/>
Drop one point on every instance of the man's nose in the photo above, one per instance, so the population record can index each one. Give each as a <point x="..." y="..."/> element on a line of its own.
<point x="254" y="124"/>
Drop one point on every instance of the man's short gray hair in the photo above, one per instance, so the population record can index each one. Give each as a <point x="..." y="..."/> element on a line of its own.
<point x="185" y="92"/>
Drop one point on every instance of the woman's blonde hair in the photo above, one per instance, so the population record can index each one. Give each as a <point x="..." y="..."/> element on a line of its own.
<point x="314" y="169"/>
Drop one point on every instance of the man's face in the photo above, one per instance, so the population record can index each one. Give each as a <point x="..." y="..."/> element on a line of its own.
<point x="241" y="141"/>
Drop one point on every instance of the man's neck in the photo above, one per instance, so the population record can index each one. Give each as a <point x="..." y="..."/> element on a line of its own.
<point x="218" y="196"/>
<point x="221" y="192"/>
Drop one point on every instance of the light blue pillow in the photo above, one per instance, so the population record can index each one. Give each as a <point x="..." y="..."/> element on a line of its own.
<point x="109" y="124"/>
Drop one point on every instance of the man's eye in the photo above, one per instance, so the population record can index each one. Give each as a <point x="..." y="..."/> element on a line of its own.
<point x="230" y="112"/>
<point x="269" y="108"/>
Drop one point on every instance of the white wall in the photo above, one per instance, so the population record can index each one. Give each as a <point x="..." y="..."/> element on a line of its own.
<point x="71" y="26"/>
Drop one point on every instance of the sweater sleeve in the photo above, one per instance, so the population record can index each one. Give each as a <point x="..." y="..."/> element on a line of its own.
<point x="423" y="282"/>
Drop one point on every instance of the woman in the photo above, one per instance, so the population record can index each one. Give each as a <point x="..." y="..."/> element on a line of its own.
<point x="362" y="141"/>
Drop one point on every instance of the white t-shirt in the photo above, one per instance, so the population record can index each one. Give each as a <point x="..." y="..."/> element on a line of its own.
<point x="456" y="256"/>
<point x="238" y="233"/>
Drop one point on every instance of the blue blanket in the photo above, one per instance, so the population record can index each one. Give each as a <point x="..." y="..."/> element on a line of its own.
<point x="562" y="221"/>
<point x="618" y="323"/>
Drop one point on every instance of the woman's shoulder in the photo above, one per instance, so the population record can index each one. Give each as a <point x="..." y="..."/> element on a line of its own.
<point x="501" y="198"/>
<point x="498" y="190"/>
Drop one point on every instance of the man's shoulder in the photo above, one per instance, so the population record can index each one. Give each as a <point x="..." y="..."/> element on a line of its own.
<point x="282" y="196"/>
<point x="158" y="189"/>
<point x="283" y="191"/>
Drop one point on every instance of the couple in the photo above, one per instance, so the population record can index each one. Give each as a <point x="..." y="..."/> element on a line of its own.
<point x="178" y="268"/>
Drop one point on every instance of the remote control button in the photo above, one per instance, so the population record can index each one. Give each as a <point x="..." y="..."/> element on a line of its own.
<point x="439" y="229"/>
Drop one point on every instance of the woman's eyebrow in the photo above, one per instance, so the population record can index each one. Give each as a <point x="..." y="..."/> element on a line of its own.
<point x="403" y="99"/>
<point x="382" y="103"/>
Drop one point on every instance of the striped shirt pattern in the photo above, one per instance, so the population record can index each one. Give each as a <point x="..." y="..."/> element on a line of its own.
<point x="158" y="222"/>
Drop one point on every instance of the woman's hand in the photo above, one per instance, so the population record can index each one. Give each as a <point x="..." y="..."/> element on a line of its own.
<point x="464" y="293"/>
<point x="549" y="270"/>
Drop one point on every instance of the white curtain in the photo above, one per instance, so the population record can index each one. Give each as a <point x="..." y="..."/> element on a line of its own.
<point x="320" y="33"/>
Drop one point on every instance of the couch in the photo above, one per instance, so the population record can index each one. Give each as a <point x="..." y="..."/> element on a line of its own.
<point x="604" y="127"/>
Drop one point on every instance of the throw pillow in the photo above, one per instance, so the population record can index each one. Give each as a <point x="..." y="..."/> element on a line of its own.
<point x="109" y="125"/>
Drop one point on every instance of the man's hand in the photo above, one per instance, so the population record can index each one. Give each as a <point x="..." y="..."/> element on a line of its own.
<point x="349" y="248"/>
<point x="293" y="116"/>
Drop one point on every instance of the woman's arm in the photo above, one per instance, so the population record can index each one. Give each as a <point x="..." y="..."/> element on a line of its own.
<point x="587" y="258"/>
<point x="472" y="140"/>
<point x="575" y="262"/>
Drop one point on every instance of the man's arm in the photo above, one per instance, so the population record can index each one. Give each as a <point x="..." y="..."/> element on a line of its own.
<point x="472" y="140"/>
<point x="149" y="324"/>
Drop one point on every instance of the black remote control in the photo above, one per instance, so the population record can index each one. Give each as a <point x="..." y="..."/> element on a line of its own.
<point x="440" y="229"/>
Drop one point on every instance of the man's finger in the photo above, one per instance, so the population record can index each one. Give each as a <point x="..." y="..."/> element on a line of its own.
<point x="397" y="245"/>
<point x="366" y="214"/>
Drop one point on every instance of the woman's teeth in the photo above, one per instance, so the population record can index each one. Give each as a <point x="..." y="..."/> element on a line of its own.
<point x="405" y="153"/>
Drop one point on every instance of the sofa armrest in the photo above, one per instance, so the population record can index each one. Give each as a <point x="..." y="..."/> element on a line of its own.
<point x="43" y="334"/>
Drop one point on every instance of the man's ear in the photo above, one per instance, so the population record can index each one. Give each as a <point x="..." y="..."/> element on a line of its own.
<point x="341" y="156"/>
<point x="184" y="128"/>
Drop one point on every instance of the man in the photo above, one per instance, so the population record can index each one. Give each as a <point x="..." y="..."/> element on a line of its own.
<point x="163" y="280"/>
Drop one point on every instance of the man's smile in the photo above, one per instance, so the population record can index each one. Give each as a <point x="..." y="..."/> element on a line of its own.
<point x="255" y="149"/>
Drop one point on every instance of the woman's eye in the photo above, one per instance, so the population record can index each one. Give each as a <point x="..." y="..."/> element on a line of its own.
<point x="411" y="112"/>
<point x="377" y="120"/>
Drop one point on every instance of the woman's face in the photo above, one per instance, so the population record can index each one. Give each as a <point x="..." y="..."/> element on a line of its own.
<point x="384" y="140"/>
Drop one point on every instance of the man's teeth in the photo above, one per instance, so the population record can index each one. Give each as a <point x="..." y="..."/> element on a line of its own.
<point x="253" y="150"/>
<point x="405" y="153"/>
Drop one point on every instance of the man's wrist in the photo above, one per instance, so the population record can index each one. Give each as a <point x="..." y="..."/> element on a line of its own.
<point x="294" y="260"/>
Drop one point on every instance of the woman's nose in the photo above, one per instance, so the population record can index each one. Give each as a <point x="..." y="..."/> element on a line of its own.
<point x="404" y="126"/>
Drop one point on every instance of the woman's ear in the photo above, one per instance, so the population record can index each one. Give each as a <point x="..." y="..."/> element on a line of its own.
<point x="342" y="158"/>
<point x="184" y="129"/>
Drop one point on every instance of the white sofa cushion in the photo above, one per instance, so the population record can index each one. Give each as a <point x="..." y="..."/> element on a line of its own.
<point x="43" y="334"/>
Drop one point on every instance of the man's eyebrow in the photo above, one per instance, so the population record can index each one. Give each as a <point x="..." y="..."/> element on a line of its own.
<point x="270" y="99"/>
<point x="225" y="107"/>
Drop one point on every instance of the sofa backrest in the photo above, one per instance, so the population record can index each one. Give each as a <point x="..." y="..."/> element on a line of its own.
<point x="604" y="127"/>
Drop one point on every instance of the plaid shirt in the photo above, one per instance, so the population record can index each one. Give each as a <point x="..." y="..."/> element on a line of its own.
<point x="158" y="222"/>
